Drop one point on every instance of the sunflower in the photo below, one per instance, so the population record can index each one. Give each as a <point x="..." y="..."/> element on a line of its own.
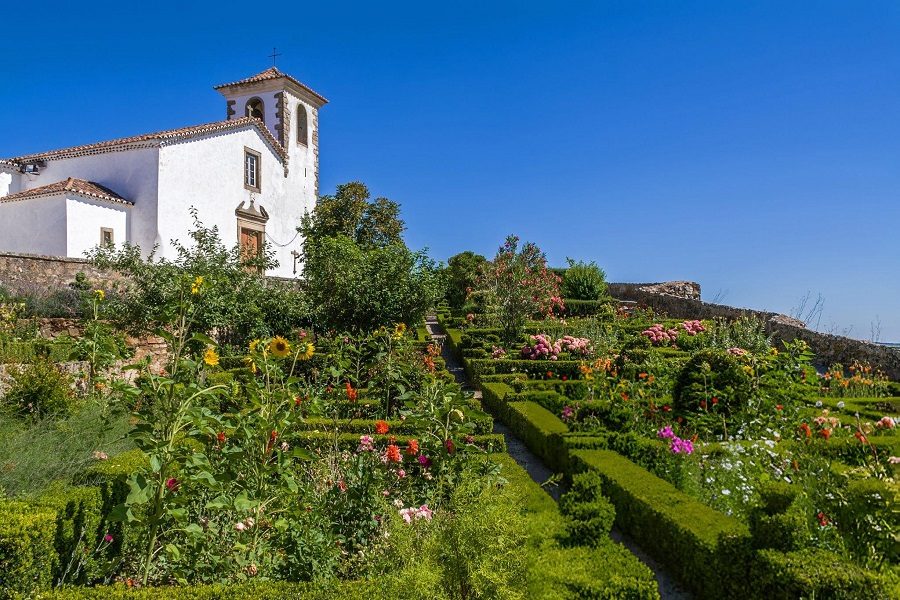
<point x="211" y="357"/>
<point x="253" y="346"/>
<point x="198" y="283"/>
<point x="308" y="353"/>
<point x="279" y="346"/>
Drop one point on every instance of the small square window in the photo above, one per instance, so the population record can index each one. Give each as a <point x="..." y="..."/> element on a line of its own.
<point x="106" y="236"/>
<point x="252" y="161"/>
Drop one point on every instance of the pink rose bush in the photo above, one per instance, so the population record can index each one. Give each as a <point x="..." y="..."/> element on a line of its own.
<point x="737" y="351"/>
<point x="694" y="327"/>
<point x="886" y="423"/>
<point x="414" y="514"/>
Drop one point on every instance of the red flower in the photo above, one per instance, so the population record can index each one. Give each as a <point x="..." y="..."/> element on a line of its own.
<point x="412" y="447"/>
<point x="667" y="408"/>
<point x="825" y="433"/>
<point x="220" y="437"/>
<point x="351" y="393"/>
<point x="342" y="485"/>
<point x="823" y="520"/>
<point x="451" y="447"/>
<point x="392" y="453"/>
<point x="862" y="438"/>
<point x="564" y="378"/>
<point x="549" y="374"/>
<point x="806" y="430"/>
<point x="172" y="484"/>
<point x="297" y="401"/>
<point x="715" y="400"/>
<point x="625" y="396"/>
<point x="273" y="436"/>
<point x="703" y="404"/>
<point x="779" y="407"/>
<point x="381" y="427"/>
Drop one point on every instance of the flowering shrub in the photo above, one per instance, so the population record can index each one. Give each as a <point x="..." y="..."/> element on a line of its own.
<point x="660" y="336"/>
<point x="677" y="445"/>
<point x="694" y="327"/>
<point x="517" y="285"/>
<point x="544" y="348"/>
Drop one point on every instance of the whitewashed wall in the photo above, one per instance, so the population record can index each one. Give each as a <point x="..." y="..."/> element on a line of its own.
<point x="34" y="226"/>
<point x="86" y="217"/>
<point x="133" y="174"/>
<point x="208" y="173"/>
<point x="10" y="182"/>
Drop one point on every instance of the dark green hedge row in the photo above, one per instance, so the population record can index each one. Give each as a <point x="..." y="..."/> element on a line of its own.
<point x="541" y="430"/>
<point x="588" y="308"/>
<point x="816" y="574"/>
<point x="705" y="549"/>
<point x="28" y="557"/>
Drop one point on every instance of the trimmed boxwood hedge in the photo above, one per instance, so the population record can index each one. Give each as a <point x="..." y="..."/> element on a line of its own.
<point x="541" y="430"/>
<point x="705" y="549"/>
<point x="816" y="574"/>
<point x="28" y="558"/>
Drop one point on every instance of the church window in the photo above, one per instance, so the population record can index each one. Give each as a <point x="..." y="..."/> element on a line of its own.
<point x="252" y="161"/>
<point x="106" y="236"/>
<point x="302" y="125"/>
<point x="255" y="109"/>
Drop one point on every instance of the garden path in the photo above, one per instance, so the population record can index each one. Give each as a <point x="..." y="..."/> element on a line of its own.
<point x="669" y="587"/>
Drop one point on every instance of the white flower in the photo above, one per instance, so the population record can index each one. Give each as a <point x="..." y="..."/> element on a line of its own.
<point x="239" y="526"/>
<point x="840" y="404"/>
<point x="726" y="492"/>
<point x="818" y="404"/>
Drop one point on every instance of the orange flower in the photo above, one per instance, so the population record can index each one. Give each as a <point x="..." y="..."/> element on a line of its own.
<point x="861" y="437"/>
<point x="642" y="375"/>
<point x="381" y="427"/>
<point x="412" y="447"/>
<point x="392" y="453"/>
<point x="351" y="393"/>
<point x="825" y="433"/>
<point x="806" y="430"/>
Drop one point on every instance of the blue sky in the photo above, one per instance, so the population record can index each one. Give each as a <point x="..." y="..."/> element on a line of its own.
<point x="753" y="147"/>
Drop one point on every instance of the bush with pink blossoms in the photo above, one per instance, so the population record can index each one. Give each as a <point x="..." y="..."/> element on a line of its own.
<point x="886" y="423"/>
<point x="498" y="352"/>
<point x="575" y="345"/>
<point x="660" y="336"/>
<point x="737" y="351"/>
<point x="677" y="445"/>
<point x="694" y="327"/>
<point x="412" y="513"/>
<point x="544" y="348"/>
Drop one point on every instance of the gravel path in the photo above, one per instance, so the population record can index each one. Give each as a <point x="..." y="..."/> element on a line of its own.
<point x="669" y="588"/>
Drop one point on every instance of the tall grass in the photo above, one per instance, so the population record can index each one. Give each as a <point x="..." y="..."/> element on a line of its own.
<point x="34" y="454"/>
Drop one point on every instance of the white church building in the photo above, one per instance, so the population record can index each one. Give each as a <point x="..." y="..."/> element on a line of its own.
<point x="253" y="175"/>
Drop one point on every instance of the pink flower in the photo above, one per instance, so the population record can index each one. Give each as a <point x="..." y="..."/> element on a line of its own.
<point x="666" y="433"/>
<point x="108" y="538"/>
<point x="737" y="351"/>
<point x="567" y="413"/>
<point x="172" y="484"/>
<point x="886" y="423"/>
<point x="239" y="526"/>
<point x="366" y="443"/>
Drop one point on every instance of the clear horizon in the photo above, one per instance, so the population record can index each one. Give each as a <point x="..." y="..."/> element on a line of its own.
<point x="752" y="149"/>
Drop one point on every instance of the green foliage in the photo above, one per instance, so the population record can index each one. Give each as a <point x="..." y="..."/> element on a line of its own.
<point x="39" y="390"/>
<point x="359" y="288"/>
<point x="517" y="286"/>
<point x="778" y="522"/>
<point x="707" y="550"/>
<point x="236" y="305"/>
<point x="78" y="517"/>
<point x="350" y="213"/>
<point x="584" y="281"/>
<point x="814" y="574"/>
<point x="462" y="277"/>
<point x="589" y="515"/>
<point x="541" y="430"/>
<point x="28" y="557"/>
<point x="712" y="374"/>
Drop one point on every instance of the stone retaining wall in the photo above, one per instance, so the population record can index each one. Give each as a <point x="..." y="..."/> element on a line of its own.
<point x="829" y="349"/>
<point x="35" y="275"/>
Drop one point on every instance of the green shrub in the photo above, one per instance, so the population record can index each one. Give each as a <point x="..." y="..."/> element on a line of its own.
<point x="814" y="574"/>
<point x="584" y="281"/>
<point x="778" y="522"/>
<point x="541" y="430"/>
<point x="39" y="390"/>
<point x="712" y="373"/>
<point x="705" y="549"/>
<point x="28" y="556"/>
<point x="77" y="525"/>
<point x="462" y="275"/>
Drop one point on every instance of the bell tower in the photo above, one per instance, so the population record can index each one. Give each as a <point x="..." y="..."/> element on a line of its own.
<point x="289" y="110"/>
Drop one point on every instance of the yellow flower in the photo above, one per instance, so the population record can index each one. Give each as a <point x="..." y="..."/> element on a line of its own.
<point x="279" y="346"/>
<point x="211" y="357"/>
<point x="198" y="283"/>
<point x="100" y="294"/>
<point x="400" y="328"/>
<point x="253" y="346"/>
<point x="308" y="353"/>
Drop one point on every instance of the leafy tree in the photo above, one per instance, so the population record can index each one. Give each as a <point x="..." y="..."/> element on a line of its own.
<point x="584" y="281"/>
<point x="350" y="212"/>
<point x="462" y="276"/>
<point x="237" y="304"/>
<point x="360" y="288"/>
<point x="518" y="286"/>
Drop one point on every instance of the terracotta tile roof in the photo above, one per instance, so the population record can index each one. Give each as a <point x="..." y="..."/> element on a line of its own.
<point x="268" y="74"/>
<point x="70" y="185"/>
<point x="169" y="135"/>
<point x="9" y="163"/>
